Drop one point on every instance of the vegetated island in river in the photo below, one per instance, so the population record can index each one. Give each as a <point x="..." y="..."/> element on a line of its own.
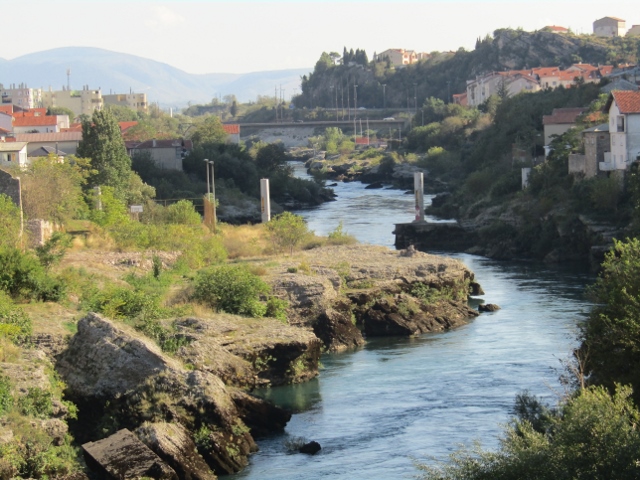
<point x="194" y="409"/>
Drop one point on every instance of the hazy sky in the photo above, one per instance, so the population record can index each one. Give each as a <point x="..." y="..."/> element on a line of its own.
<point x="211" y="36"/>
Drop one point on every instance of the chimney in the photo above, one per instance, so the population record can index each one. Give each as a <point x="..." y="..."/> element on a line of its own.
<point x="154" y="143"/>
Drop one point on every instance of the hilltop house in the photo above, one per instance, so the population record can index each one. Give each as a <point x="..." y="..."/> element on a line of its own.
<point x="634" y="31"/>
<point x="400" y="57"/>
<point x="624" y="128"/>
<point x="609" y="27"/>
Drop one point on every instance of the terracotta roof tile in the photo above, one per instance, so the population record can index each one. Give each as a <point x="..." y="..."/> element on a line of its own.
<point x="35" y="121"/>
<point x="627" y="101"/>
<point x="8" y="109"/>
<point x="231" y="128"/>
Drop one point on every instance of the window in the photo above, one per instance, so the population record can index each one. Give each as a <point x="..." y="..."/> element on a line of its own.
<point x="620" y="123"/>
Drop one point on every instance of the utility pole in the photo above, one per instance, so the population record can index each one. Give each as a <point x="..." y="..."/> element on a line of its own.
<point x="355" y="100"/>
<point x="384" y="96"/>
<point x="415" y="97"/>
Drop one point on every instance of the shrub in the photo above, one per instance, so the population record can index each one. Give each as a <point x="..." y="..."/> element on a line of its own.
<point x="14" y="322"/>
<point x="232" y="289"/>
<point x="22" y="276"/>
<point x="287" y="230"/>
<point x="277" y="308"/>
<point x="9" y="222"/>
<point x="122" y="302"/>
<point x="54" y="249"/>
<point x="183" y="213"/>
<point x="36" y="403"/>
<point x="339" y="237"/>
<point x="6" y="399"/>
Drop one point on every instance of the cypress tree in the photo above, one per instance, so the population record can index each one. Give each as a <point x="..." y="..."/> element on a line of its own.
<point x="102" y="142"/>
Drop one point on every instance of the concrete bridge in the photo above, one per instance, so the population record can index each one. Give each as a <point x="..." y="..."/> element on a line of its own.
<point x="396" y="123"/>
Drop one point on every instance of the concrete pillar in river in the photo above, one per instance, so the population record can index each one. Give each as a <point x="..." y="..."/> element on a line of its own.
<point x="265" y="203"/>
<point x="418" y="187"/>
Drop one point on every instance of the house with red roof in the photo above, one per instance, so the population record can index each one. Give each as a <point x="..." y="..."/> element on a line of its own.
<point x="556" y="29"/>
<point x="624" y="128"/>
<point x="40" y="124"/>
<point x="233" y="131"/>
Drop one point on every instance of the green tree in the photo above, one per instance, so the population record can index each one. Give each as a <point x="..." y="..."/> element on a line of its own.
<point x="287" y="230"/>
<point x="593" y="435"/>
<point x="10" y="222"/>
<point x="52" y="190"/>
<point x="61" y="111"/>
<point x="611" y="343"/>
<point x="210" y="130"/>
<point x="102" y="142"/>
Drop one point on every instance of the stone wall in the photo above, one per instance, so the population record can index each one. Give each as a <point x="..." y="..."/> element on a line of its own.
<point x="40" y="231"/>
<point x="11" y="187"/>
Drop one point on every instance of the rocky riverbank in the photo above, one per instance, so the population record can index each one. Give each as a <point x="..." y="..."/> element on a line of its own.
<point x="190" y="414"/>
<point x="513" y="230"/>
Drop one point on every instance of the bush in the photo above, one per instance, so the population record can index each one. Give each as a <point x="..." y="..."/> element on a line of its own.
<point x="182" y="213"/>
<point x="232" y="289"/>
<point x="22" y="276"/>
<point x="6" y="399"/>
<point x="36" y="403"/>
<point x="277" y="308"/>
<point x="123" y="303"/>
<point x="9" y="222"/>
<point x="287" y="230"/>
<point x="339" y="237"/>
<point x="54" y="249"/>
<point x="14" y="322"/>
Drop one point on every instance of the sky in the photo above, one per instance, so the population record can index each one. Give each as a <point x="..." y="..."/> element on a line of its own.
<point x="216" y="36"/>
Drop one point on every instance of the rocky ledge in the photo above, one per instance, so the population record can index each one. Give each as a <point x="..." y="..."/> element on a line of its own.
<point x="341" y="292"/>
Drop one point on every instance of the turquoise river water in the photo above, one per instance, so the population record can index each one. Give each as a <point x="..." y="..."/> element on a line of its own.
<point x="377" y="410"/>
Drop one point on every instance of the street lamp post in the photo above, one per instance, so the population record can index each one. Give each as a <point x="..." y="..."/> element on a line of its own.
<point x="206" y="161"/>
<point x="213" y="195"/>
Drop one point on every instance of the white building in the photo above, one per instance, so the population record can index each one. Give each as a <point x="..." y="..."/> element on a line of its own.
<point x="624" y="128"/>
<point x="609" y="27"/>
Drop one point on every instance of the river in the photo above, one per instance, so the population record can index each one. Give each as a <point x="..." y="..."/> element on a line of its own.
<point x="377" y="410"/>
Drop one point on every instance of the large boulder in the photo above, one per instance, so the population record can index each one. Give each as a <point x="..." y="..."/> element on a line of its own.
<point x="119" y="377"/>
<point x="337" y="330"/>
<point x="173" y="444"/>
<point x="122" y="456"/>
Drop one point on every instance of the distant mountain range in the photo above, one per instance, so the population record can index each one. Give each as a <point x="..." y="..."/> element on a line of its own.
<point x="120" y="73"/>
